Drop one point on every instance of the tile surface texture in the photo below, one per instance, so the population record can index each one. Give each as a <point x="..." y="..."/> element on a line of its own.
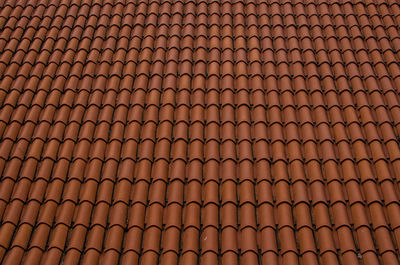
<point x="199" y="132"/>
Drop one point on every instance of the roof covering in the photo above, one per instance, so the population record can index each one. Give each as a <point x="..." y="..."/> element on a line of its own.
<point x="199" y="132"/>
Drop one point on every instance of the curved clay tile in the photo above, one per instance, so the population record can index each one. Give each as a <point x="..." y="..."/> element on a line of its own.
<point x="199" y="132"/>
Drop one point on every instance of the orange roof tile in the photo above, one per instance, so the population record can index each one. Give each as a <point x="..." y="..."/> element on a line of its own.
<point x="199" y="132"/>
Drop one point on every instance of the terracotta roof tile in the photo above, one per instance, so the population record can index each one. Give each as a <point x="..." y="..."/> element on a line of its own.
<point x="195" y="132"/>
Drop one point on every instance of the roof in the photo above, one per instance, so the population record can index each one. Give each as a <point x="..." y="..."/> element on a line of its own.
<point x="199" y="132"/>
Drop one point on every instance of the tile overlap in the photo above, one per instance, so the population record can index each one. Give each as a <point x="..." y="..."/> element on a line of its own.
<point x="199" y="132"/>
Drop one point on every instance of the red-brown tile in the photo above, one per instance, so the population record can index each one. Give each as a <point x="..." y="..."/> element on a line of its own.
<point x="259" y="132"/>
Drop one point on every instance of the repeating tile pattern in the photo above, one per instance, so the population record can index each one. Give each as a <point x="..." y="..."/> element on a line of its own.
<point x="199" y="132"/>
